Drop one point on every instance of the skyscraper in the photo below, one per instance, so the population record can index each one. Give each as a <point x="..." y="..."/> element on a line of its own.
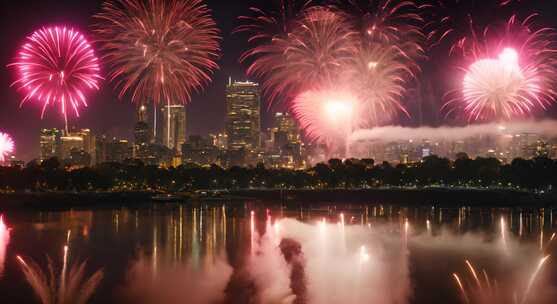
<point x="287" y="131"/>
<point x="174" y="127"/>
<point x="243" y="119"/>
<point x="49" y="141"/>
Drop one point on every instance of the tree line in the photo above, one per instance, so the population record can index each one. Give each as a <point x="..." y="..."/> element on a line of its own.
<point x="132" y="175"/>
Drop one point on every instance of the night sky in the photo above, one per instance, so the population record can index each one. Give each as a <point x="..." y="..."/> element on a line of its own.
<point x="107" y="114"/>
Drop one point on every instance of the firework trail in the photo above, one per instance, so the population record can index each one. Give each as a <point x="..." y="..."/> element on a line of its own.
<point x="512" y="72"/>
<point x="7" y="146"/>
<point x="388" y="22"/>
<point x="158" y="50"/>
<point x="57" y="65"/>
<point x="451" y="22"/>
<point x="307" y="52"/>
<point x="484" y="289"/>
<point x="73" y="287"/>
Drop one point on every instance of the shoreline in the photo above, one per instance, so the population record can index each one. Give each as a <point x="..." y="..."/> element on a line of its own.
<point x="444" y="197"/>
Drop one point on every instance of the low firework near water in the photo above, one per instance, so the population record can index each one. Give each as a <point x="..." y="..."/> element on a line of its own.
<point x="65" y="287"/>
<point x="7" y="146"/>
<point x="481" y="289"/>
<point x="512" y="72"/>
<point x="159" y="51"/>
<point x="57" y="66"/>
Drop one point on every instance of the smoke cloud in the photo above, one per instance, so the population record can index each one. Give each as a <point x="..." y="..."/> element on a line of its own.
<point x="339" y="264"/>
<point x="152" y="282"/>
<point x="547" y="128"/>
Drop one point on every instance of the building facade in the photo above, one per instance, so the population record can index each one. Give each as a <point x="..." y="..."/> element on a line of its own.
<point x="49" y="143"/>
<point x="243" y="117"/>
<point x="174" y="127"/>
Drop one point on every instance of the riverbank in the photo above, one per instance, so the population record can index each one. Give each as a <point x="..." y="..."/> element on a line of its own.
<point x="411" y="197"/>
<point x="446" y="197"/>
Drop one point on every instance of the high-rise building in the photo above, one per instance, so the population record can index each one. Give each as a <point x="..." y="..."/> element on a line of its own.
<point x="287" y="131"/>
<point x="174" y="127"/>
<point x="117" y="150"/>
<point x="243" y="118"/>
<point x="142" y="133"/>
<point x="142" y="113"/>
<point x="199" y="150"/>
<point x="68" y="143"/>
<point x="89" y="144"/>
<point x="50" y="142"/>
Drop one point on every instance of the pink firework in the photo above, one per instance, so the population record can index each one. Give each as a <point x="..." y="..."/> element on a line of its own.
<point x="7" y="146"/>
<point x="327" y="115"/>
<point x="512" y="72"/>
<point x="57" y="66"/>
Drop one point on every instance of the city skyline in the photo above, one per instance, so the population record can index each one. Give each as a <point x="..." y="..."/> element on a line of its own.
<point x="107" y="114"/>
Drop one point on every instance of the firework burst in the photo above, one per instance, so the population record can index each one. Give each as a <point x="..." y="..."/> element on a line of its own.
<point x="57" y="65"/>
<point x="7" y="146"/>
<point x="449" y="22"/>
<point x="391" y="22"/>
<point x="512" y="73"/>
<point x="309" y="54"/>
<point x="377" y="75"/>
<point x="327" y="115"/>
<point x="158" y="50"/>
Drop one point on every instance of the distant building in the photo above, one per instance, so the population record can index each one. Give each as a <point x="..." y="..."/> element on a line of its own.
<point x="220" y="140"/>
<point x="78" y="158"/>
<point x="142" y="133"/>
<point x="68" y="143"/>
<point x="287" y="131"/>
<point x="199" y="150"/>
<point x="89" y="142"/>
<point x="49" y="143"/>
<point x="243" y="118"/>
<point x="174" y="127"/>
<point x="117" y="150"/>
<point x="283" y="144"/>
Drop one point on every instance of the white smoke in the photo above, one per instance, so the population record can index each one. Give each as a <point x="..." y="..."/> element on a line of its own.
<point x="348" y="264"/>
<point x="152" y="282"/>
<point x="269" y="270"/>
<point x="547" y="128"/>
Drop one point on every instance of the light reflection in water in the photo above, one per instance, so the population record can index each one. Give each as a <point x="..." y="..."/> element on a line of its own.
<point x="170" y="248"/>
<point x="4" y="241"/>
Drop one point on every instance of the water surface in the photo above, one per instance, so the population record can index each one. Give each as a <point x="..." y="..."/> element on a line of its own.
<point x="257" y="252"/>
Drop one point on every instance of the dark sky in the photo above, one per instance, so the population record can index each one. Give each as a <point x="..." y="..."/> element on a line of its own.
<point x="107" y="114"/>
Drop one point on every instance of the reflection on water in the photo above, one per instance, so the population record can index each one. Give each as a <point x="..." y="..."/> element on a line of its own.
<point x="245" y="253"/>
<point x="4" y="240"/>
